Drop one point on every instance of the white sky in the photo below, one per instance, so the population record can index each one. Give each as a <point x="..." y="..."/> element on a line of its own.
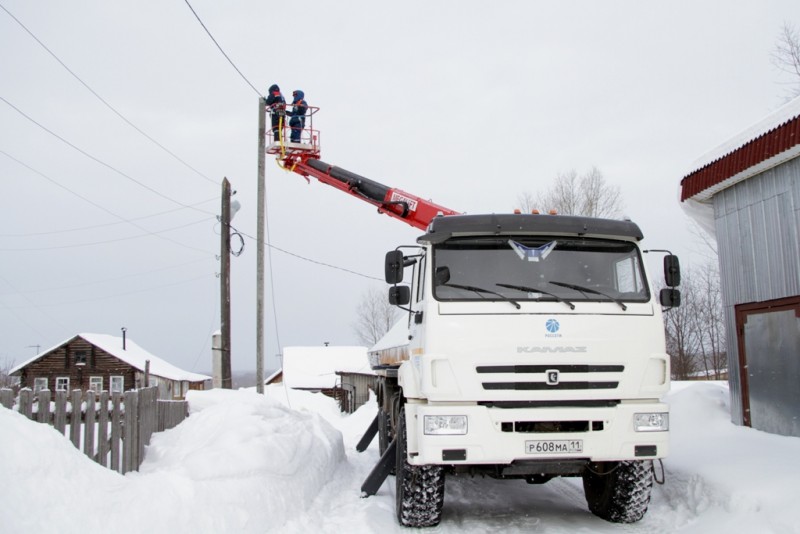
<point x="467" y="103"/>
<point x="244" y="462"/>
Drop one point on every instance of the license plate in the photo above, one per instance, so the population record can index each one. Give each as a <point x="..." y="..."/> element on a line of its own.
<point x="554" y="446"/>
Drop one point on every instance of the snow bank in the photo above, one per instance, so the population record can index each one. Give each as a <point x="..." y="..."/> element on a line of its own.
<point x="240" y="463"/>
<point x="719" y="473"/>
<point x="284" y="462"/>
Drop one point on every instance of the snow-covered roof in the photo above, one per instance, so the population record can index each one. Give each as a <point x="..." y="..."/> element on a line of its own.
<point x="767" y="143"/>
<point x="133" y="355"/>
<point x="316" y="367"/>
<point x="275" y="374"/>
<point x="397" y="336"/>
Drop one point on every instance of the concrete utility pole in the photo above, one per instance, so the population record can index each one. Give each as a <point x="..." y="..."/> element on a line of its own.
<point x="225" y="284"/>
<point x="262" y="151"/>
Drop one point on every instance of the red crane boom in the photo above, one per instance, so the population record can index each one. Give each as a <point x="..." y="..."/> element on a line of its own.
<point x="303" y="159"/>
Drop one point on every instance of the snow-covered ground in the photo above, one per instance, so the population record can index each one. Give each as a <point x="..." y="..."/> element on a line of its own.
<point x="276" y="463"/>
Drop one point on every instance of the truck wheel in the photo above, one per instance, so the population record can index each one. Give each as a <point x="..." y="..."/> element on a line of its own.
<point x="619" y="492"/>
<point x="419" y="488"/>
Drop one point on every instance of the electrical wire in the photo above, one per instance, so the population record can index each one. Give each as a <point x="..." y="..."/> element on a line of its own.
<point x="106" y="280"/>
<point x="99" y="206"/>
<point x="101" y="162"/>
<point x="115" y="240"/>
<point x="123" y="294"/>
<point x="221" y="50"/>
<point x="109" y="106"/>
<point x="93" y="226"/>
<point x="323" y="264"/>
<point x="236" y="253"/>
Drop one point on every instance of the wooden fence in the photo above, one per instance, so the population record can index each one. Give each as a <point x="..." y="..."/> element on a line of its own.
<point x="111" y="429"/>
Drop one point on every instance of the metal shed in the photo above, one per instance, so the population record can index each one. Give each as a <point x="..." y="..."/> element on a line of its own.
<point x="747" y="193"/>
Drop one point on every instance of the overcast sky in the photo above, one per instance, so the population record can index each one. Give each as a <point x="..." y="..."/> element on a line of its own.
<point x="464" y="102"/>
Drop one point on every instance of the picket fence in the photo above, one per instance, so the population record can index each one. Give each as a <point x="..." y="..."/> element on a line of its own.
<point x="111" y="429"/>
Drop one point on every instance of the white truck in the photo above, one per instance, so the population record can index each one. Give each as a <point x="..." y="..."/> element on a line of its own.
<point x="533" y="347"/>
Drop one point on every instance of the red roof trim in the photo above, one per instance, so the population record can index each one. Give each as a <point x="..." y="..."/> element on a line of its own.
<point x="748" y="155"/>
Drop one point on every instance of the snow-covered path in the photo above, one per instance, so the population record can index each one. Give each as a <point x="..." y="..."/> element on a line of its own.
<point x="249" y="463"/>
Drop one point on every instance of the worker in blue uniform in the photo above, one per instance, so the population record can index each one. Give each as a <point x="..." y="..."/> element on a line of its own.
<point x="298" y="115"/>
<point x="276" y="105"/>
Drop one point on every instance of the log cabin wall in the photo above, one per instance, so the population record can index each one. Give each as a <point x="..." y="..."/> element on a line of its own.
<point x="78" y="360"/>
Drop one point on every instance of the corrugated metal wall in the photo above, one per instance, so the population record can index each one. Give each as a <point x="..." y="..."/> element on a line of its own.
<point x="757" y="225"/>
<point x="358" y="387"/>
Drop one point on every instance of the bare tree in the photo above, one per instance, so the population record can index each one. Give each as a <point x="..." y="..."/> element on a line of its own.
<point x="571" y="194"/>
<point x="696" y="330"/>
<point x="711" y="321"/>
<point x="375" y="316"/>
<point x="786" y="57"/>
<point x="681" y="334"/>
<point x="526" y="202"/>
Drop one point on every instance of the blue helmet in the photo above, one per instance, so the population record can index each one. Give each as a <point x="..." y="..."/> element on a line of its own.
<point x="298" y="95"/>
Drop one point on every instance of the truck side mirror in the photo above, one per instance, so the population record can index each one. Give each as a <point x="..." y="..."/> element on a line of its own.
<point x="670" y="297"/>
<point x="672" y="270"/>
<point x="393" y="267"/>
<point x="399" y="295"/>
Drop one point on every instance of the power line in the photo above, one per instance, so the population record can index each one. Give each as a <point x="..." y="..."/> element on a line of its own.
<point x="221" y="50"/>
<point x="115" y="240"/>
<point x="126" y="293"/>
<point x="93" y="226"/>
<point x="105" y="280"/>
<point x="109" y="106"/>
<point x="330" y="266"/>
<point x="101" y="207"/>
<point x="101" y="162"/>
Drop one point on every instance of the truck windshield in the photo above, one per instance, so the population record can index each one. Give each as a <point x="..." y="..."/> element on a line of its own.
<point x="565" y="270"/>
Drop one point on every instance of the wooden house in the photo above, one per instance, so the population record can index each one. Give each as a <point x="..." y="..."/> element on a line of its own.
<point x="102" y="362"/>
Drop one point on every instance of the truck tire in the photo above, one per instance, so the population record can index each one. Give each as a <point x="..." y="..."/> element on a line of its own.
<point x="619" y="492"/>
<point x="419" y="488"/>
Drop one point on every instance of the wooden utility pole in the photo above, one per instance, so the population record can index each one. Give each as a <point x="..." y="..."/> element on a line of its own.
<point x="225" y="284"/>
<point x="262" y="152"/>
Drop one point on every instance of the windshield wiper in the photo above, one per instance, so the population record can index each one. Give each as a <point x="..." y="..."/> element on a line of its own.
<point x="585" y="290"/>
<point x="537" y="290"/>
<point x="482" y="290"/>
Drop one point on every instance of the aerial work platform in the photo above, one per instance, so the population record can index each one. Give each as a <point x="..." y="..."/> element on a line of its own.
<point x="284" y="147"/>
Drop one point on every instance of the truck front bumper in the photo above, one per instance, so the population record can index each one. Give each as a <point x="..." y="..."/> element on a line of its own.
<point x="504" y="435"/>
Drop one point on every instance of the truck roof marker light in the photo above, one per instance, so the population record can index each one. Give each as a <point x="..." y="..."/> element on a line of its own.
<point x="517" y="211"/>
<point x="535" y="212"/>
<point x="553" y="212"/>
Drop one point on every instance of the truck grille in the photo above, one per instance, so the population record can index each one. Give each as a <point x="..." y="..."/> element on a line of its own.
<point x="551" y="427"/>
<point x="557" y="385"/>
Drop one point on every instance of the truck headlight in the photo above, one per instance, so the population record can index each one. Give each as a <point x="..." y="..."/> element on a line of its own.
<point x="445" y="424"/>
<point x="651" y="422"/>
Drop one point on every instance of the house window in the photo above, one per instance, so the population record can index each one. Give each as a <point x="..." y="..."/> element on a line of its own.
<point x="153" y="382"/>
<point x="62" y="383"/>
<point x="80" y="357"/>
<point x="96" y="383"/>
<point x="39" y="384"/>
<point x="117" y="384"/>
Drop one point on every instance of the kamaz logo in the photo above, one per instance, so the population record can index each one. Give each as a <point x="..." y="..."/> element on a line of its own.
<point x="550" y="350"/>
